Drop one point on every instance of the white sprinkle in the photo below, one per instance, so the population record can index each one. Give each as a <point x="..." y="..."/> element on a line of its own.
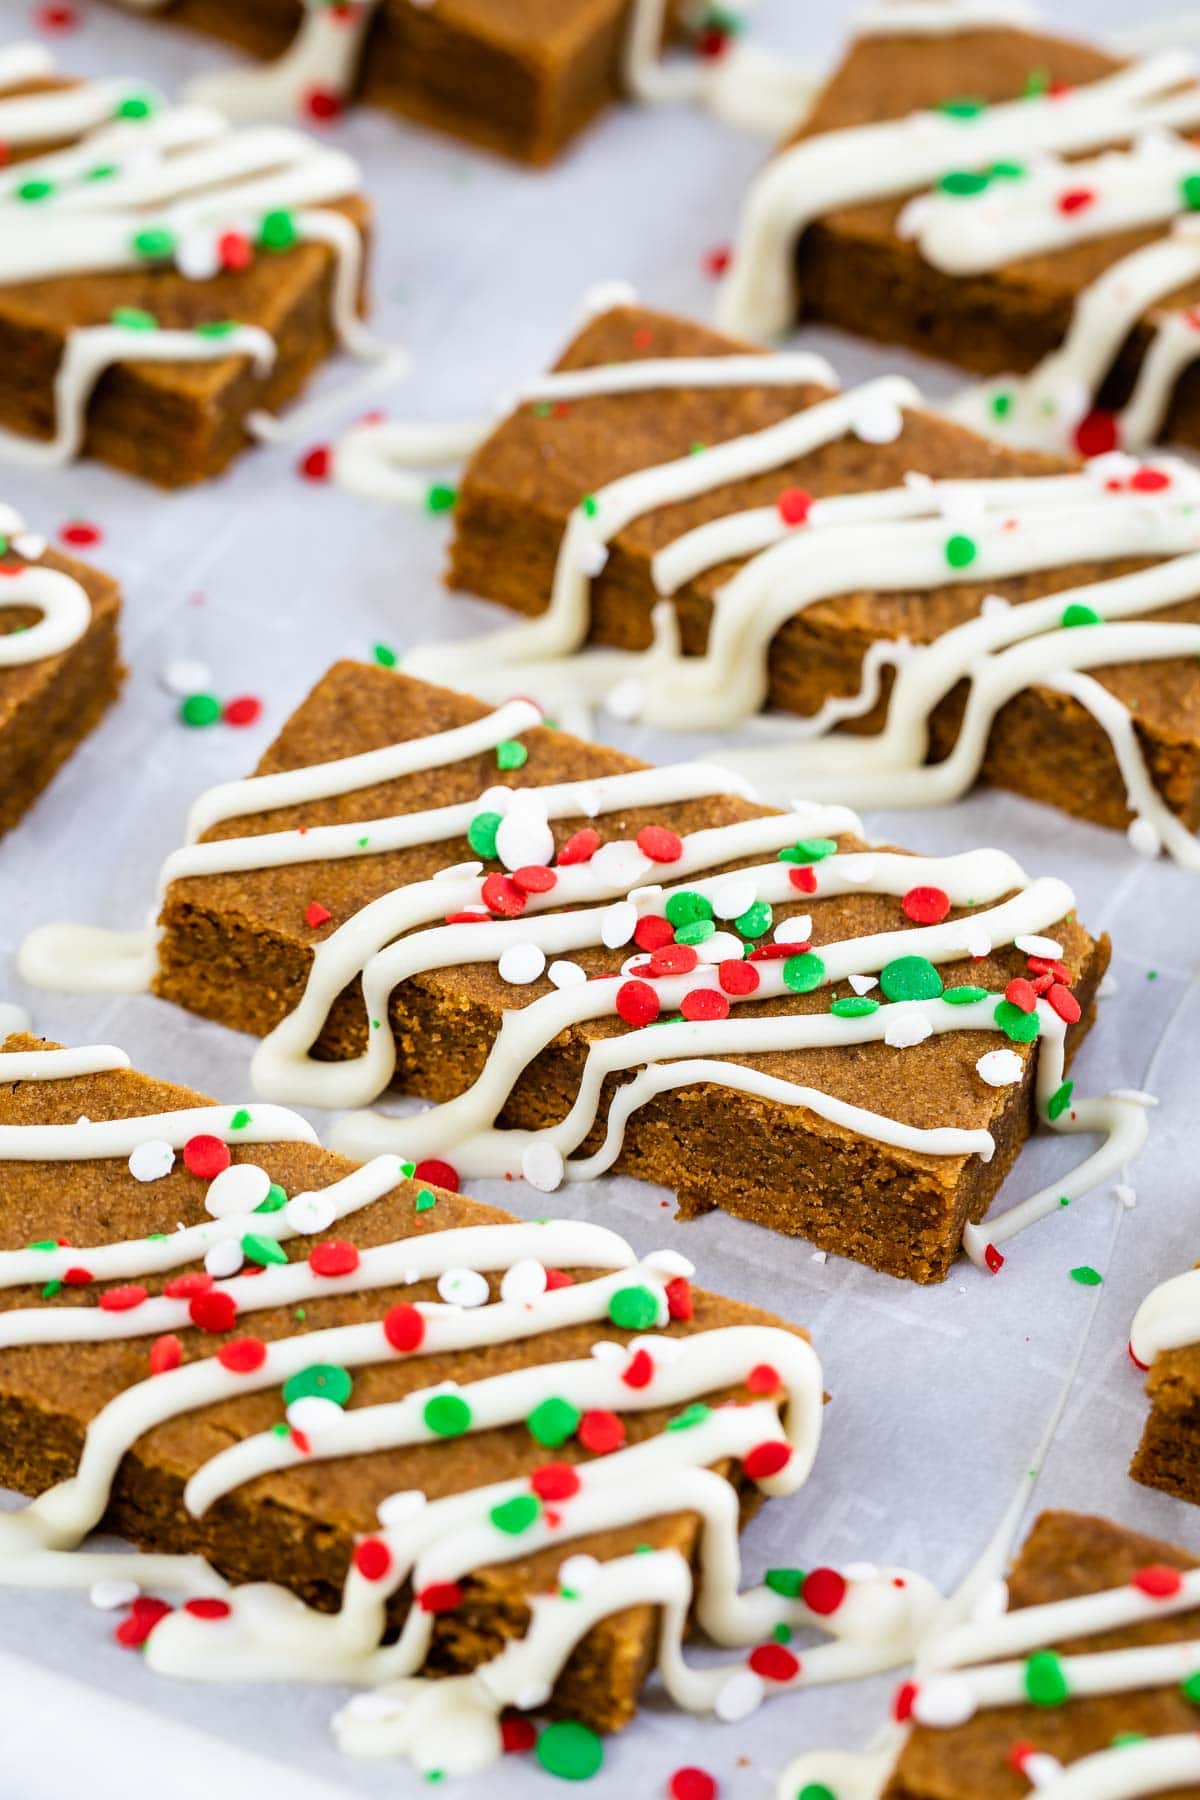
<point x="578" y="1573"/>
<point x="1126" y="1195"/>
<point x="542" y="1166"/>
<point x="625" y="700"/>
<point x="1038" y="946"/>
<point x="566" y="974"/>
<point x="521" y="963"/>
<point x="618" y="923"/>
<point x="993" y="606"/>
<point x="151" y="1160"/>
<point x="592" y="556"/>
<point x="794" y="931"/>
<point x="309" y="1213"/>
<point x="113" y="1594"/>
<point x="669" y="1263"/>
<point x="30" y="544"/>
<point x="185" y="675"/>
<point x="237" y="1189"/>
<point x="862" y="984"/>
<point x="620" y="864"/>
<point x="722" y="946"/>
<point x="1039" y="1768"/>
<point x="740" y="1696"/>
<point x="197" y="256"/>
<point x="906" y="1030"/>
<point x="224" y="1258"/>
<point x="606" y="1351"/>
<point x="820" y="1256"/>
<point x="1144" y="838"/>
<point x="464" y="1287"/>
<point x="523" y="835"/>
<point x="733" y="897"/>
<point x="877" y="422"/>
<point x="401" y="1508"/>
<point x="525" y="1281"/>
<point x="313" y="1413"/>
<point x="946" y="1701"/>
<point x="976" y="941"/>
<point x="860" y="1571"/>
<point x="1000" y="1068"/>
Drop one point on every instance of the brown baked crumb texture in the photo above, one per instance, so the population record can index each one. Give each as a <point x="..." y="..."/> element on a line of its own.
<point x="171" y="423"/>
<point x="1065" y="1555"/>
<point x="856" y="271"/>
<point x="522" y="484"/>
<point x="236" y="949"/>
<point x="48" y="707"/>
<point x="1168" y="1456"/>
<point x="520" y="77"/>
<point x="298" y="1527"/>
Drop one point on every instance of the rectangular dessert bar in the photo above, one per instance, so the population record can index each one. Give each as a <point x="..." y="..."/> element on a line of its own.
<point x="240" y="945"/>
<point x="60" y="666"/>
<point x="528" y="477"/>
<point x="76" y="1332"/>
<point x="224" y="268"/>
<point x="1165" y="1340"/>
<point x="1151" y="1604"/>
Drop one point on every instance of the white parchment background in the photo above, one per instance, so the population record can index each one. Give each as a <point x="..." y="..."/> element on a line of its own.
<point x="939" y="1395"/>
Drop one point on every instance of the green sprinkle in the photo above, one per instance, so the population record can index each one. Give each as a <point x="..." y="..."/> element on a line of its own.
<point x="447" y="1415"/>
<point x="516" y="1515"/>
<point x="695" y="1414"/>
<point x="1018" y="1026"/>
<point x="1189" y="188"/>
<point x="684" y="907"/>
<point x="1086" y="1276"/>
<point x="553" y="1421"/>
<point x="35" y="190"/>
<point x="277" y="231"/>
<point x="854" y="1006"/>
<point x="262" y="1250"/>
<point x="1077" y="614"/>
<point x="698" y="932"/>
<point x="384" y="655"/>
<point x="961" y="550"/>
<point x="441" y="497"/>
<point x="43" y="1244"/>
<point x="216" y="328"/>
<point x="240" y="1119"/>
<point x="964" y="106"/>
<point x="481" y="833"/>
<point x="963" y="182"/>
<point x="51" y="1288"/>
<point x="803" y="973"/>
<point x="134" y="106"/>
<point x="697" y="449"/>
<point x="425" y="1201"/>
<point x="320" y="1381"/>
<point x="154" y="244"/>
<point x="910" y="978"/>
<point x="275" y="1201"/>
<point x="133" y="318"/>
<point x="964" y="996"/>
<point x="787" y="1582"/>
<point x="569" y="1750"/>
<point x="511" y="754"/>
<point x="781" y="1633"/>
<point x="542" y="410"/>
<point x="200" y="709"/>
<point x="1059" y="1100"/>
<point x="809" y="850"/>
<point x="589" y="506"/>
<point x="1045" y="1683"/>
<point x="101" y="172"/>
<point x="756" y="921"/>
<point x="407" y="1169"/>
<point x="300" y="1313"/>
<point x="1190" y="1688"/>
<point x="634" y="1308"/>
<point x="1121" y="1738"/>
<point x="1008" y="171"/>
<point x="1001" y="405"/>
<point x="1036" y="83"/>
<point x="816" y="1790"/>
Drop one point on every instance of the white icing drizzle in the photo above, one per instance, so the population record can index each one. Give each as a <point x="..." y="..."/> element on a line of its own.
<point x="176" y="185"/>
<point x="939" y="18"/>
<point x="1167" y="1319"/>
<point x="62" y="602"/>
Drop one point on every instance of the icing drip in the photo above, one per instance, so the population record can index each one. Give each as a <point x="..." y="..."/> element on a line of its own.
<point x="1167" y="1319"/>
<point x="62" y="602"/>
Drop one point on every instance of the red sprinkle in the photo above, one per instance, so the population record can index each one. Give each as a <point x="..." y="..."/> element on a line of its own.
<point x="679" y="1297"/>
<point x="1064" y="1003"/>
<point x="166" y="1353"/>
<point x="640" y="1372"/>
<point x="712" y="43"/>
<point x="1041" y="965"/>
<point x="404" y="1327"/>
<point x="716" y="261"/>
<point x="580" y="847"/>
<point x="315" y="914"/>
<point x="1097" y="433"/>
<point x="804" y="877"/>
<point x="206" y="1156"/>
<point x="558" y="1278"/>
<point x="902" y="1702"/>
<point x="440" y="1174"/>
<point x="637" y="1003"/>
<point x="321" y="103"/>
<point x="372" y="1558"/>
<point x="315" y="464"/>
<point x="186" y="1287"/>
<point x="214" y="1311"/>
<point x="81" y="533"/>
<point x="55" y="18"/>
<point x="1019" y="1753"/>
<point x="774" y="1662"/>
<point x="673" y="959"/>
<point x="1019" y="993"/>
<point x="1073" y="200"/>
<point x="763" y="1379"/>
<point x="993" y="1258"/>
<point x="641" y="338"/>
<point x="1149" y="481"/>
<point x="502" y="895"/>
<point x="207" y="1609"/>
<point x="823" y="1591"/>
<point x="767" y="1459"/>
<point x="692" y="1784"/>
<point x="660" y="843"/>
<point x="246" y="709"/>
<point x="122" y="1299"/>
<point x="78" y="1277"/>
<point x="241" y="1356"/>
<point x="535" y="878"/>
<point x="925" y="905"/>
<point x="653" y="932"/>
<point x="794" y="504"/>
<point x="1158" y="1580"/>
<point x="440" y="1597"/>
<point x="738" y="977"/>
<point x="336" y="1258"/>
<point x="601" y="1432"/>
<point x="517" y="1734"/>
<point x="704" y="1003"/>
<point x="235" y="250"/>
<point x="140" y="1621"/>
<point x="555" y="1481"/>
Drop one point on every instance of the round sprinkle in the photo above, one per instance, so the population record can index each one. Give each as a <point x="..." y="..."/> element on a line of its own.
<point x="224" y="1258"/>
<point x="123" y="1299"/>
<point x="151" y="1160"/>
<point x="464" y="1287"/>
<point x="794" y="505"/>
<point x="553" y="1421"/>
<point x="767" y="1459"/>
<point x="516" y="1515"/>
<point x="774" y="1662"/>
<point x="310" y="1213"/>
<point x="634" y="1308"/>
<point x="704" y="1004"/>
<point x="447" y="1415"/>
<point x="113" y="1595"/>
<point x="755" y="922"/>
<point x="910" y="978"/>
<point x="738" y="978"/>
<point x="1000" y="1068"/>
<point x="440" y="1174"/>
<point x="244" y="710"/>
<point x="740" y="1696"/>
<point x="580" y="847"/>
<point x="569" y="1750"/>
<point x="660" y="844"/>
<point x="242" y="1356"/>
<point x="685" y="908"/>
<point x="1019" y="1026"/>
<point x="637" y="1003"/>
<point x="854" y="1006"/>
<point x="803" y="973"/>
<point x="183" y="676"/>
<point x="212" y="1311"/>
<point x="372" y="1558"/>
<point x="200" y="709"/>
<point x="481" y="833"/>
<point x="961" y="551"/>
<point x="521" y="964"/>
<point x="1044" y="1680"/>
<point x="1158" y="1580"/>
<point x="239" y="1188"/>
<point x="543" y="1168"/>
<point x="692" y="1784"/>
<point x="333" y="1259"/>
<point x="511" y="754"/>
<point x="601" y="1432"/>
<point x="1086" y="1276"/>
<point x="206" y="1156"/>
<point x="926" y="905"/>
<point x="404" y="1328"/>
<point x="440" y="1597"/>
<point x="824" y="1590"/>
<point x="565" y="974"/>
<point x="320" y="1381"/>
<point x="166" y="1353"/>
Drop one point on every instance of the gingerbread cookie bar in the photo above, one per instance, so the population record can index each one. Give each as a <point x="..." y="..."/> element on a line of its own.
<point x="60" y="667"/>
<point x="163" y="276"/>
<point x="1165" y="1341"/>
<point x="388" y="1403"/>
<point x="847" y="1044"/>
<point x="955" y="188"/>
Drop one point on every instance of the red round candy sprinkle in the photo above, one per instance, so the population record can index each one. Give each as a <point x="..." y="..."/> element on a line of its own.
<point x="140" y="1621"/>
<point x="315" y="914"/>
<point x="673" y="959"/>
<point x="242" y="1355"/>
<point x="902" y="1703"/>
<point x="993" y="1258"/>
<point x="404" y="1327"/>
<point x="1019" y="993"/>
<point x="77" y="1277"/>
<point x="763" y="1379"/>
<point x="517" y="1734"/>
<point x="640" y="1371"/>
<point x="203" y="1608"/>
<point x="321" y="103"/>
<point x="776" y="952"/>
<point x="738" y="977"/>
<point x="438" y="1172"/>
<point x="600" y="1432"/>
<point x="716" y="261"/>
<point x="440" y="1597"/>
<point x="1077" y="199"/>
<point x="206" y="1156"/>
<point x="1058" y="971"/>
<point x="166" y="1353"/>
<point x="660" y="843"/>
<point x="926" y="905"/>
<point x="558" y="1278"/>
<point x="54" y="18"/>
<point x="235" y="250"/>
<point x="1041" y="984"/>
<point x="642" y="338"/>
<point x="1018" y="1754"/>
<point x="712" y="43"/>
<point x="1158" y="1580"/>
<point x="1149" y="481"/>
<point x="823" y="1591"/>
<point x="653" y="932"/>
<point x="316" y="463"/>
<point x="245" y="709"/>
<point x="1097" y="433"/>
<point x="804" y="877"/>
<point x="122" y="1299"/>
<point x="186" y="1287"/>
<point x="81" y="533"/>
<point x="692" y="1784"/>
<point x="214" y="1311"/>
<point x="502" y="895"/>
<point x="774" y="1662"/>
<point x="535" y="878"/>
<point x="793" y="504"/>
<point x="372" y="1558"/>
<point x="704" y="1003"/>
<point x="1063" y="1002"/>
<point x="679" y="1297"/>
<point x="580" y="847"/>
<point x="555" y="1481"/>
<point x="637" y="1003"/>
<point x="468" y="918"/>
<point x="336" y="1258"/>
<point x="767" y="1459"/>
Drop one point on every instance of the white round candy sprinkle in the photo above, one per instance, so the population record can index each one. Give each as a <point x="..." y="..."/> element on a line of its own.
<point x="909" y="1029"/>
<point x="463" y="1287"/>
<point x="185" y="675"/>
<point x="877" y="422"/>
<point x="740" y="1696"/>
<point x="618" y="923"/>
<point x="1000" y="1068"/>
<point x="312" y="1413"/>
<point x="521" y="963"/>
<point x="401" y="1508"/>
<point x="542" y="1166"/>
<point x="794" y="931"/>
<point x="223" y="1259"/>
<point x="310" y="1213"/>
<point x="113" y="1594"/>
<point x="946" y="1701"/>
<point x="578" y="1573"/>
<point x="237" y="1189"/>
<point x="991" y="1603"/>
<point x="197" y="255"/>
<point x="862" y="984"/>
<point x="151" y="1160"/>
<point x="565" y="974"/>
<point x="721" y="947"/>
<point x="523" y="835"/>
<point x="525" y="1281"/>
<point x="733" y="897"/>
<point x="30" y="544"/>
<point x="1032" y="945"/>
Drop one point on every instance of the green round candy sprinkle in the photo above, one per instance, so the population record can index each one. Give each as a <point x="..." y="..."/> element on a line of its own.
<point x="1189" y="188"/>
<point x="816" y="1790"/>
<point x="589" y="506"/>
<point x="787" y="1582"/>
<point x="1008" y="171"/>
<point x="553" y="1421"/>
<point x="511" y="754"/>
<point x="275" y="1201"/>
<point x="964" y="996"/>
<point x="961" y="550"/>
<point x="35" y="190"/>
<point x="441" y="497"/>
<point x="755" y="922"/>
<point x="277" y="231"/>
<point x="1045" y="1682"/>
<point x="685" y="906"/>
<point x="963" y="182"/>
<point x="200" y="709"/>
<point x="320" y="1381"/>
<point x="447" y="1415"/>
<point x="1191" y="1688"/>
<point x="695" y="1414"/>
<point x="809" y="850"/>
<point x="910" y="978"/>
<point x="262" y="1250"/>
<point x="569" y="1750"/>
<point x="634" y="1308"/>
<point x="216" y="328"/>
<point x="134" y="106"/>
<point x="1086" y="1276"/>
<point x="1077" y="614"/>
<point x="803" y="973"/>
<point x="155" y="243"/>
<point x="964" y="106"/>
<point x="1059" y="1100"/>
<point x="1000" y="405"/>
<point x="854" y="1006"/>
<point x="481" y="833"/>
<point x="133" y="318"/>
<point x="1020" y="1027"/>
<point x="101" y="172"/>
<point x="697" y="932"/>
<point x="516" y="1515"/>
